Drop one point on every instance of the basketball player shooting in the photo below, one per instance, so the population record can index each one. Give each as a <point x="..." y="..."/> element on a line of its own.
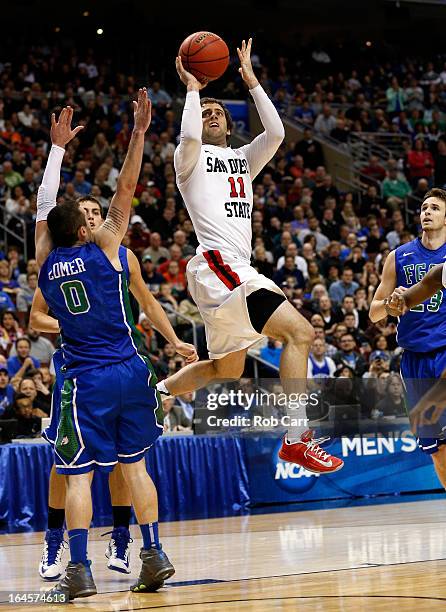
<point x="239" y="306"/>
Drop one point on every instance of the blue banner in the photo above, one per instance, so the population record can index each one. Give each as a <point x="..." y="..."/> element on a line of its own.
<point x="239" y="113"/>
<point x="374" y="465"/>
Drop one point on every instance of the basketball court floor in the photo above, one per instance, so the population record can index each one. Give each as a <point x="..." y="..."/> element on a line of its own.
<point x="380" y="557"/>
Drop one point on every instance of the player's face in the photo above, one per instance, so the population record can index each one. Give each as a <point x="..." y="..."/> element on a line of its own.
<point x="92" y="214"/>
<point x="215" y="127"/>
<point x="433" y="215"/>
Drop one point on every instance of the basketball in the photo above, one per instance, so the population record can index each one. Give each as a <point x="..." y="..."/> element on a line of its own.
<point x="205" y="55"/>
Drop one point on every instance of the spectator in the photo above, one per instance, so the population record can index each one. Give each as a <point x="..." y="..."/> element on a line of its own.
<point x="346" y="286"/>
<point x="395" y="189"/>
<point x="156" y="250"/>
<point x="25" y="294"/>
<point x="22" y="362"/>
<point x="6" y="391"/>
<point x="175" y="277"/>
<point x="396" y="97"/>
<point x="184" y="401"/>
<point x="28" y="387"/>
<point x="175" y="255"/>
<point x="420" y="163"/>
<point x="392" y="404"/>
<point x="325" y="121"/>
<point x="174" y="417"/>
<point x="319" y="364"/>
<point x="310" y="150"/>
<point x="28" y="426"/>
<point x="160" y="98"/>
<point x="289" y="269"/>
<point x="347" y="355"/>
<point x="80" y="185"/>
<point x="42" y="349"/>
<point x="374" y="173"/>
<point x="151" y="277"/>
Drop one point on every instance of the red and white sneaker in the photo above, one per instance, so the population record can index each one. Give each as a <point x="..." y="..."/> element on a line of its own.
<point x="310" y="455"/>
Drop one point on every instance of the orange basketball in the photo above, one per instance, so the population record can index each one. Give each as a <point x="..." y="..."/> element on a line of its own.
<point x="205" y="55"/>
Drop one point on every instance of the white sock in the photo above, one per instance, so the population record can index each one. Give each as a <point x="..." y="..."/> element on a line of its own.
<point x="161" y="387"/>
<point x="299" y="422"/>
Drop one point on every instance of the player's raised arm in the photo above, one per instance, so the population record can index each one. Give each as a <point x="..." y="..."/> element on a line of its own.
<point x="61" y="134"/>
<point x="113" y="230"/>
<point x="263" y="147"/>
<point x="387" y="285"/>
<point x="428" y="286"/>
<point x="154" y="311"/>
<point x="39" y="318"/>
<point x="188" y="151"/>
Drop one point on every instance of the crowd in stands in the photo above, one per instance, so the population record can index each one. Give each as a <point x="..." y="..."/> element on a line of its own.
<point x="325" y="248"/>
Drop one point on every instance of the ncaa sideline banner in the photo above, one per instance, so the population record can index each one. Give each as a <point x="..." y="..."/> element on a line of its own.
<point x="374" y="465"/>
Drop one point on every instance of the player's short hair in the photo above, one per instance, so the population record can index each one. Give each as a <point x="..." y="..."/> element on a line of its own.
<point x="90" y="198"/>
<point x="229" y="121"/>
<point x="64" y="222"/>
<point x="436" y="192"/>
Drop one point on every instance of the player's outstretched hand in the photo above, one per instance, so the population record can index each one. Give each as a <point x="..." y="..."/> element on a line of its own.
<point x="191" y="82"/>
<point x="187" y="350"/>
<point x="61" y="132"/>
<point x="142" y="111"/>
<point x="245" y="69"/>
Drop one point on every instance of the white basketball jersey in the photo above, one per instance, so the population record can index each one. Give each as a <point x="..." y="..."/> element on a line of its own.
<point x="218" y="197"/>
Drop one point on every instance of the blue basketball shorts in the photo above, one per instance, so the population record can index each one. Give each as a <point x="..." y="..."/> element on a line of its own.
<point x="107" y="415"/>
<point x="419" y="372"/>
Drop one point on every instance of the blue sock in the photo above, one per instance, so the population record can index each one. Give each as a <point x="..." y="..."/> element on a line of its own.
<point x="78" y="545"/>
<point x="150" y="535"/>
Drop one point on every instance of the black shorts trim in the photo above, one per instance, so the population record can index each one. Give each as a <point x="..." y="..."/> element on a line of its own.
<point x="261" y="305"/>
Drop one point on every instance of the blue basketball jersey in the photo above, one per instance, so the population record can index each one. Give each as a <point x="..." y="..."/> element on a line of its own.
<point x="423" y="328"/>
<point x="320" y="371"/>
<point x="90" y="300"/>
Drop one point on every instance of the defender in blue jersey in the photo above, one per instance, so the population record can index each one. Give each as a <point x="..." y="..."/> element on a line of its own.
<point x="108" y="400"/>
<point x="422" y="330"/>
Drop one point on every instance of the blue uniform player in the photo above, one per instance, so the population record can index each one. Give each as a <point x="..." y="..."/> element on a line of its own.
<point x="108" y="405"/>
<point x="422" y="329"/>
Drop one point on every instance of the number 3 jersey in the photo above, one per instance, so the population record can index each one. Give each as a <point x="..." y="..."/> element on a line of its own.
<point x="423" y="328"/>
<point x="218" y="197"/>
<point x="90" y="300"/>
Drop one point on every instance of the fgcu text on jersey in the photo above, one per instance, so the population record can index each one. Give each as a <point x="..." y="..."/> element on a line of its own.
<point x="423" y="328"/>
<point x="90" y="300"/>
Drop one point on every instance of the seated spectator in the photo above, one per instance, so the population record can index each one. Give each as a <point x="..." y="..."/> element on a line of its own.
<point x="6" y="391"/>
<point x="374" y="173"/>
<point x="156" y="250"/>
<point x="347" y="355"/>
<point x="31" y="266"/>
<point x="300" y="262"/>
<point x="310" y="150"/>
<point x="19" y="365"/>
<point x="346" y="286"/>
<point x="80" y="184"/>
<point x="138" y="234"/>
<point x="6" y="304"/>
<point x="175" y="277"/>
<point x="325" y="121"/>
<point x="10" y="331"/>
<point x="41" y="399"/>
<point x="288" y="269"/>
<point x="180" y="239"/>
<point x="25" y="295"/>
<point x="175" y="254"/>
<point x="319" y="332"/>
<point x="392" y="404"/>
<point x="261" y="263"/>
<point x="394" y="236"/>
<point x="319" y="364"/>
<point x="151" y="277"/>
<point x="313" y="229"/>
<point x="42" y="349"/>
<point x="28" y="426"/>
<point x="395" y="189"/>
<point x="174" y="417"/>
<point x="420" y="163"/>
<point x="165" y="297"/>
<point x="185" y="402"/>
<point x="314" y="275"/>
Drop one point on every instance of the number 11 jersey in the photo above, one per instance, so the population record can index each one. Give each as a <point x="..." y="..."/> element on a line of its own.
<point x="90" y="300"/>
<point x="423" y="328"/>
<point x="218" y="196"/>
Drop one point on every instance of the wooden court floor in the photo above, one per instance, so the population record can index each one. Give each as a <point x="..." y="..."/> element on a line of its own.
<point x="386" y="557"/>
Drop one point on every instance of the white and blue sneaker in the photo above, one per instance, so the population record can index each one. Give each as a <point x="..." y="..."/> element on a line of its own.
<point x="118" y="550"/>
<point x="51" y="566"/>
